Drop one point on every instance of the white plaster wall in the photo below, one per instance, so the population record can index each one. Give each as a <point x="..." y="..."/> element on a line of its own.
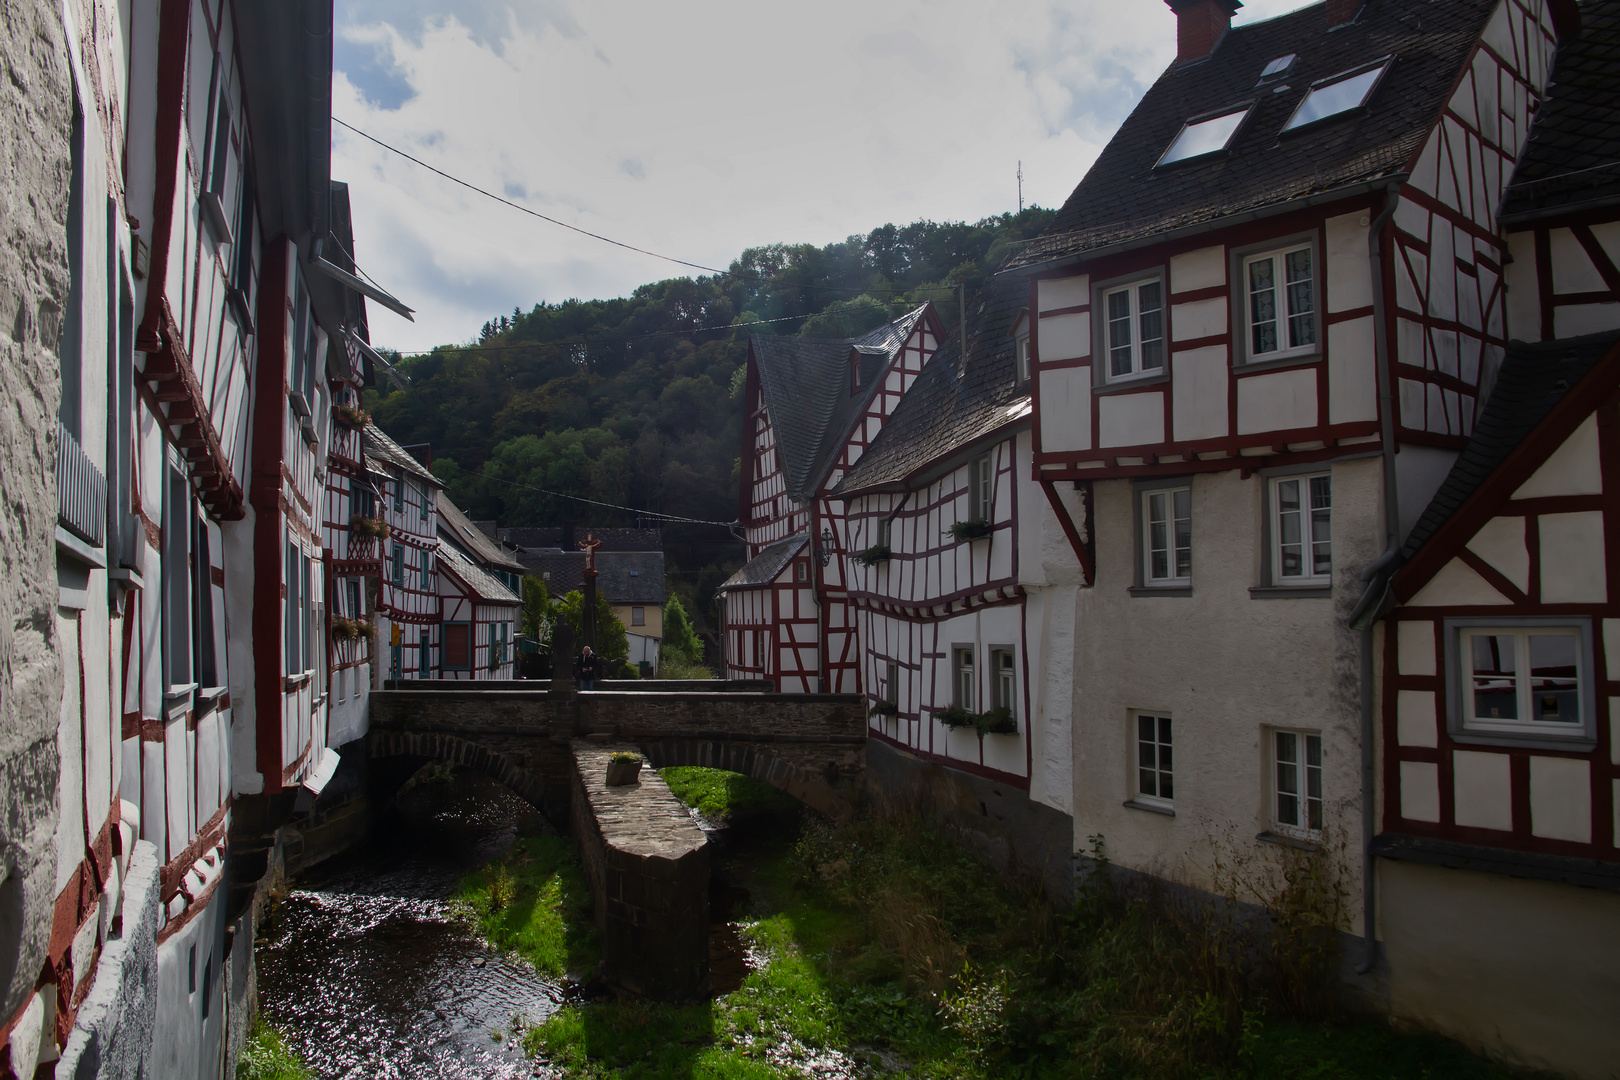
<point x="1467" y="950"/>
<point x="1129" y="419"/>
<point x="237" y="558"/>
<point x="1225" y="666"/>
<point x="1065" y="408"/>
<point x="1198" y="408"/>
<point x="1277" y="401"/>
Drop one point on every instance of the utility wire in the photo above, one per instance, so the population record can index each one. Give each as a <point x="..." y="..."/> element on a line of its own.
<point x="599" y="341"/>
<point x="760" y="278"/>
<point x="611" y="506"/>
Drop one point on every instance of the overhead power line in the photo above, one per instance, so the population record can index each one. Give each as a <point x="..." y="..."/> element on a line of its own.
<point x="743" y="274"/>
<point x="611" y="506"/>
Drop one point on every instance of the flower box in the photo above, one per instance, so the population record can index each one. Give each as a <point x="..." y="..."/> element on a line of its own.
<point x="877" y="553"/>
<point x="884" y="708"/>
<point x="977" y="529"/>
<point x="624" y="769"/>
<point x="998" y="721"/>
<point x="351" y="416"/>
<point x="360" y="525"/>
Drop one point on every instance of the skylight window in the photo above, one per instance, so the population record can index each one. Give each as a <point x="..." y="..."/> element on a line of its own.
<point x="1278" y="67"/>
<point x="1206" y="136"/>
<point x="1336" y="95"/>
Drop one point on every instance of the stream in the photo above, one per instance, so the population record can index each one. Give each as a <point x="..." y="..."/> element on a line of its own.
<point x="368" y="973"/>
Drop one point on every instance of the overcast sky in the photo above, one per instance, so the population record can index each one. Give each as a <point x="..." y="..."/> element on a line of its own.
<point x="697" y="129"/>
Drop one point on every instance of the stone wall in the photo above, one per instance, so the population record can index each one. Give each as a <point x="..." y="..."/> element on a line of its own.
<point x="648" y="868"/>
<point x="35" y="125"/>
<point x="809" y="745"/>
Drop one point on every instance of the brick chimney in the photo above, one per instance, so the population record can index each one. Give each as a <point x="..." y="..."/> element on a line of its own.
<point x="1340" y="12"/>
<point x="1200" y="25"/>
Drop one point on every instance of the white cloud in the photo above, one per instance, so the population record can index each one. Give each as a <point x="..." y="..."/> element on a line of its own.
<point x="703" y="128"/>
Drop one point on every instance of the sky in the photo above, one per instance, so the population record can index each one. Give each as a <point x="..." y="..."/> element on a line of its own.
<point x="701" y="128"/>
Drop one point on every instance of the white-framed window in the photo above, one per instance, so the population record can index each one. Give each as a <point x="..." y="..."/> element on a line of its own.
<point x="1302" y="529"/>
<point x="963" y="688"/>
<point x="1207" y="134"/>
<point x="891" y="683"/>
<point x="1337" y="94"/>
<point x="399" y="564"/>
<point x="981" y="491"/>
<point x="1023" y="359"/>
<point x="1296" y="805"/>
<point x="1155" y="766"/>
<point x="638" y="616"/>
<point x="885" y="530"/>
<point x="1133" y="329"/>
<point x="1167" y="536"/>
<point x="1280" y="303"/>
<point x="1004" y="690"/>
<point x="1523" y="680"/>
<point x="801" y="570"/>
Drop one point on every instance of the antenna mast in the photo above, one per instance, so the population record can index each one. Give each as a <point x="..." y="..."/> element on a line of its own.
<point x="1020" y="186"/>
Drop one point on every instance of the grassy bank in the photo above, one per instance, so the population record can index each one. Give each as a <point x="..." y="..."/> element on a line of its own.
<point x="721" y="796"/>
<point x="266" y="1057"/>
<point x="535" y="903"/>
<point x="885" y="948"/>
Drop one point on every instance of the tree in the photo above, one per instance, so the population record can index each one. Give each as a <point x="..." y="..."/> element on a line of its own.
<point x="538" y="614"/>
<point x="679" y="634"/>
<point x="611" y="644"/>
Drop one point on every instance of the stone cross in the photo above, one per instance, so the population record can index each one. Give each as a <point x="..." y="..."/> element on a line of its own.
<point x="587" y="615"/>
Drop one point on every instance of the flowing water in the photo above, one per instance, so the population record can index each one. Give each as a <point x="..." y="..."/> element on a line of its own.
<point x="368" y="972"/>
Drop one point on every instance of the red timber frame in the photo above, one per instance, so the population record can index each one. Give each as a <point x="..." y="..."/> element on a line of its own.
<point x="1597" y="395"/>
<point x="415" y="600"/>
<point x="1443" y="296"/>
<point x="814" y="640"/>
<point x="930" y="578"/>
<point x="347" y="555"/>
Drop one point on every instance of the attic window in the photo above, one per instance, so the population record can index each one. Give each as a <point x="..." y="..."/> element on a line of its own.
<point x="1207" y="135"/>
<point x="1278" y="67"/>
<point x="1336" y="95"/>
<point x="635" y="573"/>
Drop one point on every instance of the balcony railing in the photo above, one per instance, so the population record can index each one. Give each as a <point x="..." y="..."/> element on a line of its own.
<point x="81" y="491"/>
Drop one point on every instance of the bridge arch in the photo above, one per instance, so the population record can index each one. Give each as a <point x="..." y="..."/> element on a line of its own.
<point x="436" y="746"/>
<point x="812" y="790"/>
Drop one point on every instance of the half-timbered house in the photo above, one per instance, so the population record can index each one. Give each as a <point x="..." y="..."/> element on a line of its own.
<point x="408" y="605"/>
<point x="961" y="572"/>
<point x="813" y="406"/>
<point x="478" y="599"/>
<point x="1500" y="807"/>
<point x="1261" y="327"/>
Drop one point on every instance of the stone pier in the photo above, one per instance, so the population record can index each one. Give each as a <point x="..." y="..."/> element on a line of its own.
<point x="648" y="868"/>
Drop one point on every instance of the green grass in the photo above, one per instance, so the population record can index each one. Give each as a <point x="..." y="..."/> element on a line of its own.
<point x="266" y="1057"/>
<point x="718" y="795"/>
<point x="891" y="950"/>
<point x="534" y="902"/>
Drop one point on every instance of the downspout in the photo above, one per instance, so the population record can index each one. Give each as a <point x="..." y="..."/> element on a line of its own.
<point x="1374" y="578"/>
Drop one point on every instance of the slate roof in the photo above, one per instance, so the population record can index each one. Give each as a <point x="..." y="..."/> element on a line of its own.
<point x="763" y="568"/>
<point x="1124" y="198"/>
<point x="568" y="537"/>
<point x="381" y="450"/>
<point x="1573" y="156"/>
<point x="625" y="577"/>
<point x="459" y="530"/>
<point x="1533" y="379"/>
<point x="942" y="412"/>
<point x="485" y="586"/>
<point x="806" y="385"/>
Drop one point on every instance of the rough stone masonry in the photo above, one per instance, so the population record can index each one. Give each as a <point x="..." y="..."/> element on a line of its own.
<point x="35" y="126"/>
<point x="648" y="867"/>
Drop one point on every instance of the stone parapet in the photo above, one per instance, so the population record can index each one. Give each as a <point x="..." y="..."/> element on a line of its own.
<point x="648" y="868"/>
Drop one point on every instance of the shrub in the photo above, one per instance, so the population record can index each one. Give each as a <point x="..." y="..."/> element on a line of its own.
<point x="873" y="555"/>
<point x="622" y="757"/>
<point x="360" y="525"/>
<point x="883" y="708"/>
<point x="977" y="529"/>
<point x="997" y="721"/>
<point x="351" y="416"/>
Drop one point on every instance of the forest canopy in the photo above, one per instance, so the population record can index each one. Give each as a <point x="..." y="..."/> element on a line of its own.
<point x="636" y="401"/>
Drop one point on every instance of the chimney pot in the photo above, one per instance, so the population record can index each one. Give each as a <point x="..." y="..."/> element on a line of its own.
<point x="1340" y="12"/>
<point x="1200" y="25"/>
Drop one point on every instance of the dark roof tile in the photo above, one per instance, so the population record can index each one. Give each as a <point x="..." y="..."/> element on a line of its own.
<point x="763" y="568"/>
<point x="1123" y="197"/>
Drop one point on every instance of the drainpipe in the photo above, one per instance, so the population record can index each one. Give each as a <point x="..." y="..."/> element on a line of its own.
<point x="1374" y="578"/>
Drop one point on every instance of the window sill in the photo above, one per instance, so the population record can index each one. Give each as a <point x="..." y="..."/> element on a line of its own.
<point x="208" y="698"/>
<point x="296" y="682"/>
<point x="1161" y="590"/>
<point x="1285" y="840"/>
<point x="1292" y="360"/>
<point x="1132" y="804"/>
<point x="1290" y="592"/>
<point x="1130" y="382"/>
<point x="1525" y="739"/>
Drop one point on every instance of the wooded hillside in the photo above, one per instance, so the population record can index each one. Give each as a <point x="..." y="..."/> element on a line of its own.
<point x="636" y="401"/>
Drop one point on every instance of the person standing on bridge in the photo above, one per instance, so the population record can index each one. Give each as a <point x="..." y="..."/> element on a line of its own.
<point x="588" y="668"/>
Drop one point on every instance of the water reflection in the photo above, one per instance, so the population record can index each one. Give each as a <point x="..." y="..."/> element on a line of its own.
<point x="368" y="973"/>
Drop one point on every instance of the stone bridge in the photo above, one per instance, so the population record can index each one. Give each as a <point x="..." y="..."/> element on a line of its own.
<point x="811" y="746"/>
